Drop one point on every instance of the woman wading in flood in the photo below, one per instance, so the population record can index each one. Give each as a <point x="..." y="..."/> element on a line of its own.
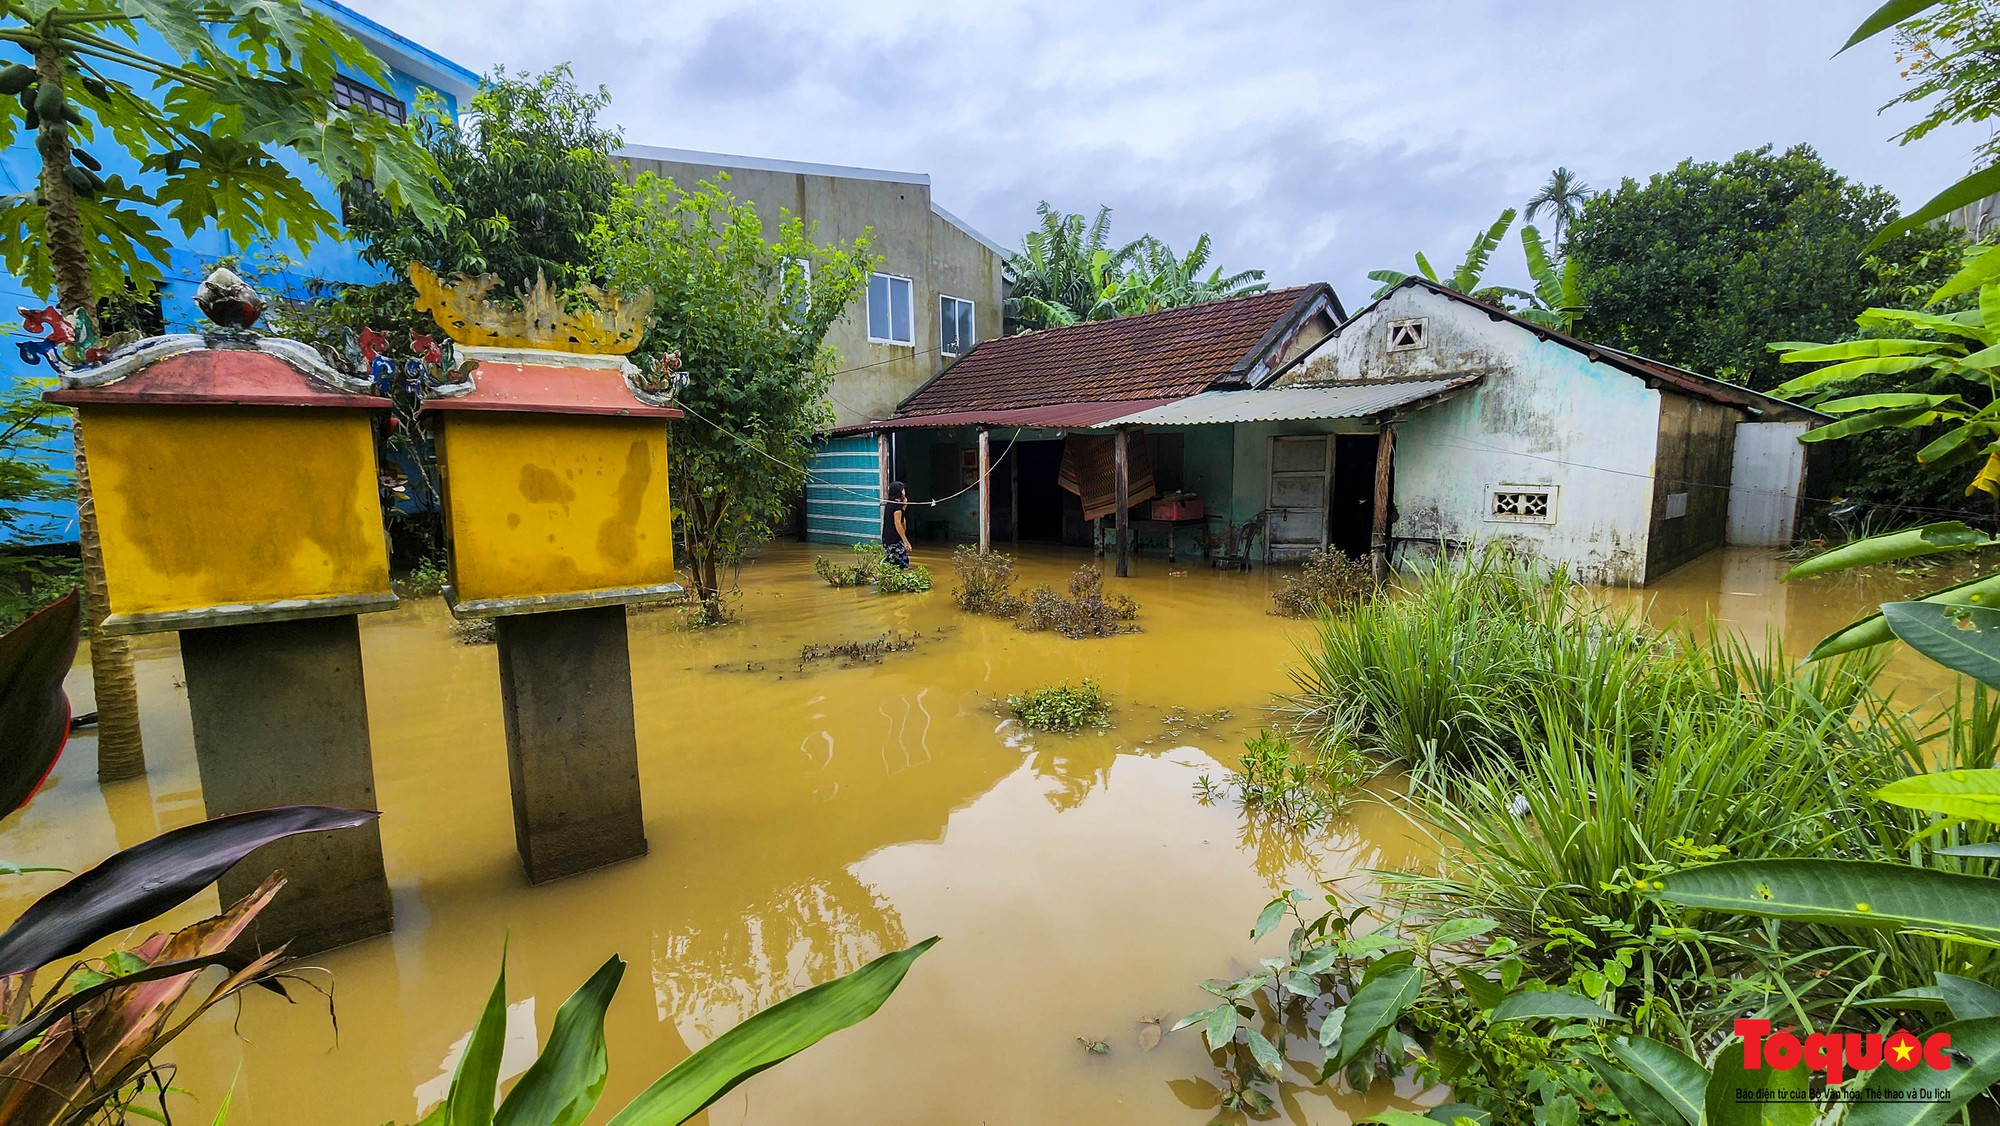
<point x="896" y="526"/>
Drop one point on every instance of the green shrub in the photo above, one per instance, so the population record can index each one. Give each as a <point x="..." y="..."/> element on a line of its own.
<point x="427" y="579"/>
<point x="1060" y="707"/>
<point x="1085" y="613"/>
<point x="865" y="568"/>
<point x="985" y="582"/>
<point x="1330" y="580"/>
<point x="891" y="579"/>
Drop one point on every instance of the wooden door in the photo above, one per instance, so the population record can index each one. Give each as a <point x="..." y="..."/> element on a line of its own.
<point x="1301" y="484"/>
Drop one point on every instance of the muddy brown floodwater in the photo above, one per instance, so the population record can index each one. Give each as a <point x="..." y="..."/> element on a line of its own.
<point x="804" y="821"/>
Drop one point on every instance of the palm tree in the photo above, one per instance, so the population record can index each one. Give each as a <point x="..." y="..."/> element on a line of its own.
<point x="1563" y="195"/>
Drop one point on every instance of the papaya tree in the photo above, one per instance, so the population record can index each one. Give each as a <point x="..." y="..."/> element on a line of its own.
<point x="239" y="81"/>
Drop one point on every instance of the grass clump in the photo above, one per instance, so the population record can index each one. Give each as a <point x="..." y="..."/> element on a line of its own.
<point x="1560" y="754"/>
<point x="985" y="582"/>
<point x="1297" y="787"/>
<point x="1087" y="612"/>
<point x="1059" y="707"/>
<point x="1330" y="581"/>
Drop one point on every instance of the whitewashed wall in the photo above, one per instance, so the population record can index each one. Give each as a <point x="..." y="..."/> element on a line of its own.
<point x="1545" y="415"/>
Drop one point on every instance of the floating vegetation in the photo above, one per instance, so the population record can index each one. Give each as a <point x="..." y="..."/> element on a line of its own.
<point x="852" y="654"/>
<point x="1087" y="612"/>
<point x="1059" y="707"/>
<point x="1178" y="721"/>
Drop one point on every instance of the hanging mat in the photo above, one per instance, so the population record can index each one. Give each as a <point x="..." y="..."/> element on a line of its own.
<point x="1090" y="470"/>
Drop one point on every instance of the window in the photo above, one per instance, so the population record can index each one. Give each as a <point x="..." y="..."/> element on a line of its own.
<point x="796" y="279"/>
<point x="349" y="94"/>
<point x="1405" y="336"/>
<point x="889" y="320"/>
<point x="1518" y="504"/>
<point x="955" y="336"/>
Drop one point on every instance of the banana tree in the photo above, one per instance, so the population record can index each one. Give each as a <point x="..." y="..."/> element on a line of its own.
<point x="562" y="1086"/>
<point x="1558" y="297"/>
<point x="1465" y="279"/>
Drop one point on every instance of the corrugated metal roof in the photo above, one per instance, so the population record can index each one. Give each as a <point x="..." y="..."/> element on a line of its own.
<point x="1294" y="404"/>
<point x="1049" y="416"/>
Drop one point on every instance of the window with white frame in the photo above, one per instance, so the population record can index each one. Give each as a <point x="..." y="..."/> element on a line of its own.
<point x="795" y="278"/>
<point x="889" y="319"/>
<point x="1406" y="336"/>
<point x="955" y="336"/>
<point x="1521" y="504"/>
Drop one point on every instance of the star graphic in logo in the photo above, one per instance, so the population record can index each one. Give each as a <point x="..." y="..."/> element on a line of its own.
<point x="1903" y="1051"/>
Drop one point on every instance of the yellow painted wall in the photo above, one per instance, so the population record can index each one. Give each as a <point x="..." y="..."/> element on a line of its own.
<point x="217" y="506"/>
<point x="555" y="504"/>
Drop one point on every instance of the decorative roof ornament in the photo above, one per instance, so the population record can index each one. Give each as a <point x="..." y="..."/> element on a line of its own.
<point x="612" y="326"/>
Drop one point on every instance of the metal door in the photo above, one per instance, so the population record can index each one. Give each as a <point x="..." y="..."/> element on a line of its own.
<point x="1301" y="480"/>
<point x="1765" y="477"/>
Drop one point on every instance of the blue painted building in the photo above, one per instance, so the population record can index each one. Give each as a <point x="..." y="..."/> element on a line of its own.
<point x="278" y="263"/>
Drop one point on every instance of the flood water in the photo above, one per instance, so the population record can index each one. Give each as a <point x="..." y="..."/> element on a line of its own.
<point x="803" y="821"/>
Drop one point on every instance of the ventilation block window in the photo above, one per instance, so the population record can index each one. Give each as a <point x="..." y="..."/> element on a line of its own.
<point x="1406" y="336"/>
<point x="1518" y="504"/>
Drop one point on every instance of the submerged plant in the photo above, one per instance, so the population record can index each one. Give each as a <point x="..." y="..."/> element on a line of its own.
<point x="867" y="559"/>
<point x="891" y="579"/>
<point x="985" y="582"/>
<point x="1087" y="612"/>
<point x="1295" y="786"/>
<point x="1059" y="707"/>
<point x="1330" y="581"/>
<point x="427" y="579"/>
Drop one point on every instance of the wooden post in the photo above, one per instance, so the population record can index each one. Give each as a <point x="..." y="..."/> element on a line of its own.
<point x="1378" y="555"/>
<point x="985" y="494"/>
<point x="1124" y="522"/>
<point x="885" y="457"/>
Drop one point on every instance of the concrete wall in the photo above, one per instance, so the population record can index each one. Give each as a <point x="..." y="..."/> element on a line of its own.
<point x="1694" y="463"/>
<point x="909" y="235"/>
<point x="1545" y="417"/>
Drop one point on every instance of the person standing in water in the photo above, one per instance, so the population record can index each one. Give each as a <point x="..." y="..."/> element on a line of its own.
<point x="896" y="526"/>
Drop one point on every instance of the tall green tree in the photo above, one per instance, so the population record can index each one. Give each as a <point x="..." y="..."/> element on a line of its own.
<point x="522" y="183"/>
<point x="1156" y="278"/>
<point x="750" y="328"/>
<point x="1563" y="197"/>
<point x="1703" y="264"/>
<point x="245" y="79"/>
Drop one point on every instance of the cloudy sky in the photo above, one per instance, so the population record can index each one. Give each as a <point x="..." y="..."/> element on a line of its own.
<point x="1314" y="140"/>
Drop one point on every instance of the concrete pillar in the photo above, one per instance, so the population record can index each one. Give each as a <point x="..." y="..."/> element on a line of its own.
<point x="281" y="718"/>
<point x="572" y="748"/>
<point x="1119" y="441"/>
<point x="985" y="493"/>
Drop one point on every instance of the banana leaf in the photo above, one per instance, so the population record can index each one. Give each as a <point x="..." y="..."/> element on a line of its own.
<point x="35" y="656"/>
<point x="768" y="1038"/>
<point x="148" y="878"/>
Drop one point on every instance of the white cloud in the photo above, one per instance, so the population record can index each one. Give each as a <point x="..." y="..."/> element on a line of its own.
<point x="1316" y="140"/>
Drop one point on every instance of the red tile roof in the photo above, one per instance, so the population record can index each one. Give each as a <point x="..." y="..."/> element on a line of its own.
<point x="1165" y="355"/>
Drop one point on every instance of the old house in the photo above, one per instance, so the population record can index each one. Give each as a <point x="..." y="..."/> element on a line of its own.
<point x="1024" y="413"/>
<point x="1615" y="466"/>
<point x="1428" y="422"/>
